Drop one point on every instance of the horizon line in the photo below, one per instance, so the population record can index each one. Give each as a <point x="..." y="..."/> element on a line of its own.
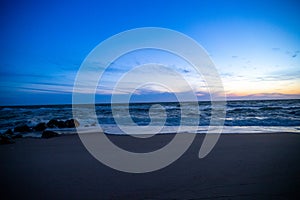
<point x="145" y="102"/>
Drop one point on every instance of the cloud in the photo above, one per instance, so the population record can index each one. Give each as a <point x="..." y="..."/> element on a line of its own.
<point x="276" y="77"/>
<point x="42" y="90"/>
<point x="261" y="96"/>
<point x="17" y="75"/>
<point x="276" y="49"/>
<point x="38" y="81"/>
<point x="292" y="54"/>
<point x="227" y="74"/>
<point x="156" y="73"/>
<point x="46" y="87"/>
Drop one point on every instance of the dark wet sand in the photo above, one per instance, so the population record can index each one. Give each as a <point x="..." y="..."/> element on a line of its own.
<point x="248" y="166"/>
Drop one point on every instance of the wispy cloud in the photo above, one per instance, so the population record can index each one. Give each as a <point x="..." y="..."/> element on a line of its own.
<point x="273" y="95"/>
<point x="292" y="54"/>
<point x="276" y="49"/>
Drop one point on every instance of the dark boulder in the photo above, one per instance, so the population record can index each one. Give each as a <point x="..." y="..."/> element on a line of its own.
<point x="8" y="136"/>
<point x="40" y="127"/>
<point x="71" y="123"/>
<point x="6" y="139"/>
<point x="52" y="123"/>
<point x="8" y="132"/>
<point x="49" y="134"/>
<point x="22" y="128"/>
<point x="17" y="136"/>
<point x="61" y="124"/>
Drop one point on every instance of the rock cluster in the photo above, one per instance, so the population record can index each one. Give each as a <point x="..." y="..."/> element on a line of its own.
<point x="70" y="123"/>
<point x="22" y="128"/>
<point x="49" y="134"/>
<point x="8" y="136"/>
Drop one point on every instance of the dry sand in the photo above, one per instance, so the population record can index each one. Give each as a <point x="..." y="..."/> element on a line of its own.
<point x="248" y="166"/>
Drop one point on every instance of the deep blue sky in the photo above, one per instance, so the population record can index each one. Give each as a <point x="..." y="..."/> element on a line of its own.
<point x="254" y="44"/>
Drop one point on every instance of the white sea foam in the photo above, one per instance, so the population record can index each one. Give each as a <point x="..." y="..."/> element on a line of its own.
<point x="241" y="116"/>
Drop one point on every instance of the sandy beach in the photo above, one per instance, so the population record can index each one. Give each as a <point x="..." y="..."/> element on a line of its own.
<point x="245" y="166"/>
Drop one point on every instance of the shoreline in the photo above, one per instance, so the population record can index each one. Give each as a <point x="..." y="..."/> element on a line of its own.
<point x="241" y="166"/>
<point x="202" y="130"/>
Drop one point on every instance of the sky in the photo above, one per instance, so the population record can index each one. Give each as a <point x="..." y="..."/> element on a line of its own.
<point x="255" y="46"/>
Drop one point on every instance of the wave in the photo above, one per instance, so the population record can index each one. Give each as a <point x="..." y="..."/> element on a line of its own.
<point x="239" y="113"/>
<point x="242" y="110"/>
<point x="114" y="130"/>
<point x="271" y="108"/>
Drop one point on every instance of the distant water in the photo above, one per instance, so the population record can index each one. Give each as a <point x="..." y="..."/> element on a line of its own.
<point x="253" y="116"/>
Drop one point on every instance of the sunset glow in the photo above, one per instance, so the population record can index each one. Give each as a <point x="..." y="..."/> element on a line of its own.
<point x="254" y="45"/>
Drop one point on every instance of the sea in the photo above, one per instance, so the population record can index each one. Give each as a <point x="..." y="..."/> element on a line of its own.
<point x="243" y="116"/>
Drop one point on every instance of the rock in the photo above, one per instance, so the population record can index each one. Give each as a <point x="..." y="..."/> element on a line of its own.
<point x="22" y="128"/>
<point x="52" y="123"/>
<point x="49" y="134"/>
<point x="61" y="124"/>
<point x="8" y="132"/>
<point x="17" y="136"/>
<point x="6" y="139"/>
<point x="40" y="127"/>
<point x="71" y="123"/>
<point x="8" y="136"/>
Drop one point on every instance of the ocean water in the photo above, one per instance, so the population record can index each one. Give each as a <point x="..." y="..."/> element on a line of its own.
<point x="255" y="116"/>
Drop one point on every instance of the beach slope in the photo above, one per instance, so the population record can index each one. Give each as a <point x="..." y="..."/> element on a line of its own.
<point x="241" y="166"/>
